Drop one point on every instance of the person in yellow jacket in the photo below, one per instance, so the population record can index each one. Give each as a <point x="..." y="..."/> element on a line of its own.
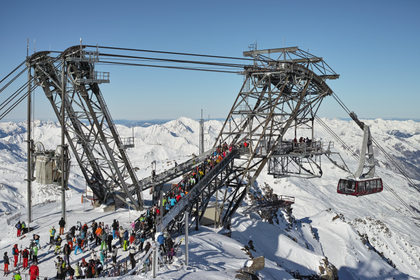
<point x="52" y="235"/>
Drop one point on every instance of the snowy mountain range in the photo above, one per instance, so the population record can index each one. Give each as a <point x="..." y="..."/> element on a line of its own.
<point x="370" y="237"/>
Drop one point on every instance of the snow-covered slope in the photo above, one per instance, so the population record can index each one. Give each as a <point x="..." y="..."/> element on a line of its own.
<point x="364" y="238"/>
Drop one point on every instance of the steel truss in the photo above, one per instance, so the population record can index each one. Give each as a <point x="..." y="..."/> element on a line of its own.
<point x="278" y="94"/>
<point x="89" y="128"/>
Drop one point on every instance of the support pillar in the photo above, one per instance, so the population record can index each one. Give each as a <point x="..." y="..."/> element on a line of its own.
<point x="63" y="148"/>
<point x="216" y="209"/>
<point x="29" y="148"/>
<point x="154" y="263"/>
<point x="197" y="216"/>
<point x="186" y="237"/>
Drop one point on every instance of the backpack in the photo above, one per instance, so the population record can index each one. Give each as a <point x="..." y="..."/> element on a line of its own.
<point x="18" y="225"/>
<point x="53" y="231"/>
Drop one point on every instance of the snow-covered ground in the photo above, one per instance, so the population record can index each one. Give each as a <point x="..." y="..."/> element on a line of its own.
<point x="371" y="237"/>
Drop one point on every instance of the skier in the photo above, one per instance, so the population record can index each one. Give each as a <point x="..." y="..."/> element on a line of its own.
<point x="98" y="236"/>
<point x="18" y="227"/>
<point x="125" y="238"/>
<point x="34" y="271"/>
<point x="23" y="228"/>
<point x="114" y="254"/>
<point x="171" y="254"/>
<point x="6" y="263"/>
<point x="147" y="248"/>
<point x="77" y="271"/>
<point x="161" y="240"/>
<point x="132" y="252"/>
<point x="73" y="231"/>
<point x="59" y="267"/>
<point x="62" y="223"/>
<point x="52" y="236"/>
<point x="16" y="275"/>
<point x="66" y="251"/>
<point x="121" y="232"/>
<point x="82" y="238"/>
<point x="35" y="254"/>
<point x="115" y="226"/>
<point x="25" y="254"/>
<point x="132" y="237"/>
<point x="79" y="226"/>
<point x="169" y="243"/>
<point x="98" y="268"/>
<point x="142" y="239"/>
<point x="109" y="240"/>
<point x="36" y="239"/>
<point x="70" y="270"/>
<point x="102" y="257"/>
<point x="93" y="254"/>
<point x="15" y="253"/>
<point x="103" y="239"/>
<point x="69" y="241"/>
<point x="78" y="246"/>
<point x="58" y="245"/>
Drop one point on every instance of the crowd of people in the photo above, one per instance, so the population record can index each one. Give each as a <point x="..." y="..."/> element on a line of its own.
<point x="103" y="242"/>
<point x="98" y="239"/>
<point x="148" y="221"/>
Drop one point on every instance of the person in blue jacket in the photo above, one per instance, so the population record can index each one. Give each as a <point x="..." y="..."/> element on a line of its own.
<point x="161" y="240"/>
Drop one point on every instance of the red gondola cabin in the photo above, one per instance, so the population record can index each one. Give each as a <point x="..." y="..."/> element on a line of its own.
<point x="360" y="187"/>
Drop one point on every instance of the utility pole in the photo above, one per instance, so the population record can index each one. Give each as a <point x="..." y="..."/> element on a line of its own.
<point x="186" y="237"/>
<point x="63" y="148"/>
<point x="29" y="143"/>
<point x="154" y="261"/>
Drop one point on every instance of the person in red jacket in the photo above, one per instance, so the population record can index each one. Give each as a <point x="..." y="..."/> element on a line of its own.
<point x="16" y="252"/>
<point x="34" y="271"/>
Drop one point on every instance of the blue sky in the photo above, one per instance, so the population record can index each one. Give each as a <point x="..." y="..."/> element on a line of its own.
<point x="373" y="45"/>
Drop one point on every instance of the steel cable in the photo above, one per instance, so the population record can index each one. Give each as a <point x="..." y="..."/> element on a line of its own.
<point x="13" y="71"/>
<point x="12" y="80"/>
<point x="174" y="53"/>
<point x="168" y="67"/>
<point x="387" y="187"/>
<point x="9" y="109"/>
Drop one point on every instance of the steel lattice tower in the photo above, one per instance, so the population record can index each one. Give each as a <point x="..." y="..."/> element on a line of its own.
<point x="89" y="127"/>
<point x="282" y="91"/>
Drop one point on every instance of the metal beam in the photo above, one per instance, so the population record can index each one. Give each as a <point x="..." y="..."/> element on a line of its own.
<point x="268" y="51"/>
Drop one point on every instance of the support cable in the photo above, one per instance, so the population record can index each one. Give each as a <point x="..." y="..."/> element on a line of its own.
<point x="12" y="80"/>
<point x="13" y="96"/>
<point x="13" y="71"/>
<point x="2" y="115"/>
<point x="175" y="53"/>
<point x="387" y="187"/>
<point x="398" y="167"/>
<point x="169" y="67"/>
<point x="174" y="60"/>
